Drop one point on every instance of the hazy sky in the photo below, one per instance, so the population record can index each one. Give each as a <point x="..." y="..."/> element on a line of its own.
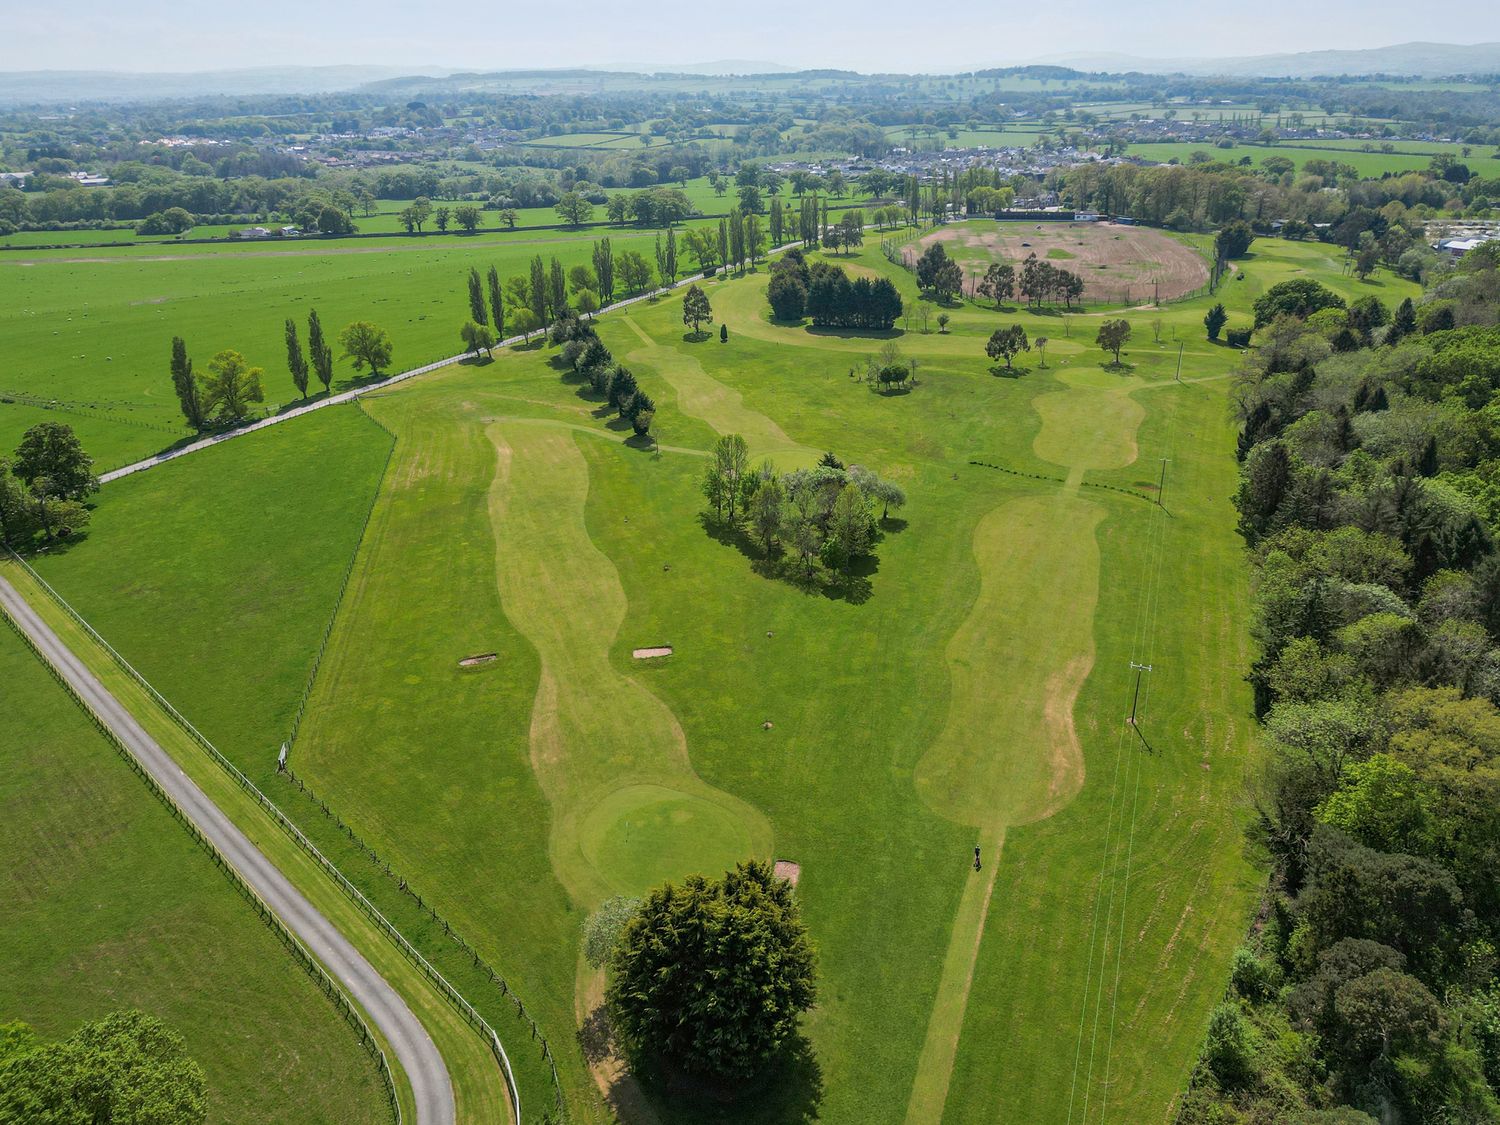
<point x="870" y="35"/>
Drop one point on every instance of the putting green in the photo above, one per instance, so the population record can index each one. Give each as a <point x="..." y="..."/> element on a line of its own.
<point x="643" y="835"/>
<point x="594" y="730"/>
<point x="1008" y="753"/>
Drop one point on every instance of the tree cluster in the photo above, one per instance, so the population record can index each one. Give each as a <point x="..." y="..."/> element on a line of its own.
<point x="584" y="354"/>
<point x="1367" y="501"/>
<point x="821" y="514"/>
<point x="823" y="292"/>
<point x="44" y="486"/>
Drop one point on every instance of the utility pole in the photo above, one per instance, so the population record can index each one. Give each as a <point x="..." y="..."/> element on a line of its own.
<point x="1182" y="344"/>
<point x="1161" y="485"/>
<point x="1135" y="698"/>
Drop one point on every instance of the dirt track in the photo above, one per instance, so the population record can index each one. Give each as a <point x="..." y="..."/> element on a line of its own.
<point x="1119" y="264"/>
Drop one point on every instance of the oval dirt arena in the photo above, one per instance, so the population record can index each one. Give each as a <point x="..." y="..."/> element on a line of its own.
<point x="1125" y="265"/>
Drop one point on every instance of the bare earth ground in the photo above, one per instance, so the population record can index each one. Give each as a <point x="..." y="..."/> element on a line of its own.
<point x="1119" y="264"/>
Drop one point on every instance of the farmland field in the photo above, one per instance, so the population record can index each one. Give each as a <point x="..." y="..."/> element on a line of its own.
<point x="967" y="687"/>
<point x="111" y="905"/>
<point x="1481" y="163"/>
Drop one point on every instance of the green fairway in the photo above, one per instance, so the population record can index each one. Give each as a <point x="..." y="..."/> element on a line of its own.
<point x="973" y="693"/>
<point x="110" y="904"/>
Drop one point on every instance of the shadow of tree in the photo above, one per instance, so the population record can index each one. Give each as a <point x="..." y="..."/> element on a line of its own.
<point x="788" y="1091"/>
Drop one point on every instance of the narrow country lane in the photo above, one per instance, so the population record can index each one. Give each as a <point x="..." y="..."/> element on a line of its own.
<point x="414" y="1050"/>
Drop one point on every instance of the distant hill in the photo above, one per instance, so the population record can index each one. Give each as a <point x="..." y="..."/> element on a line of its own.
<point x="1415" y="59"/>
<point x="53" y="86"/>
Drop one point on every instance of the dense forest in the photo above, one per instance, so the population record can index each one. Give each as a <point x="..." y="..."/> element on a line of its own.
<point x="1370" y="502"/>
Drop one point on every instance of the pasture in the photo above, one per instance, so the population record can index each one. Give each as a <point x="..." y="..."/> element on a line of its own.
<point x="968" y="685"/>
<point x="1368" y="164"/>
<point x="111" y="905"/>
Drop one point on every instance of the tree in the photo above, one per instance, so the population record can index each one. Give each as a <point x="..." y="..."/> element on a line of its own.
<point x="127" y="1068"/>
<point x="185" y="383"/>
<point x="998" y="283"/>
<point x="557" y="290"/>
<point x="319" y="352"/>
<point x="467" y="216"/>
<point x="601" y="933"/>
<point x="714" y="975"/>
<point x="1214" y="320"/>
<point x="442" y="216"/>
<point x="1366" y="261"/>
<point x="725" y="478"/>
<point x="622" y="390"/>
<point x="524" y="321"/>
<point x="1041" y="346"/>
<point x="642" y="413"/>
<point x="296" y="362"/>
<point x="1301" y="297"/>
<point x="232" y="385"/>
<point x="366" y="344"/>
<point x="1006" y="344"/>
<point x="574" y="209"/>
<point x="497" y="302"/>
<point x="939" y="273"/>
<point x="477" y="311"/>
<point x="1112" y="336"/>
<point x="765" y="510"/>
<point x="635" y="271"/>
<point x="849" y="526"/>
<point x="1233" y="240"/>
<point x="51" y="450"/>
<point x="587" y="302"/>
<point x="1403" y="324"/>
<point x="787" y="294"/>
<point x="604" y="270"/>
<point x="696" y="309"/>
<point x="478" y="337"/>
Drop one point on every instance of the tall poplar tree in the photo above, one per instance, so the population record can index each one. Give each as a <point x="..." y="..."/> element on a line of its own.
<point x="320" y="352"/>
<point x="296" y="362"/>
<point x="476" y="297"/>
<point x="189" y="393"/>
<point x="497" y="303"/>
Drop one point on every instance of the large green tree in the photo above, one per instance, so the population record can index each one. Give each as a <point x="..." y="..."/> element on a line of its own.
<point x="51" y="450"/>
<point x="125" y="1069"/>
<point x="696" y="310"/>
<point x="231" y="386"/>
<point x="713" y="975"/>
<point x="366" y="344"/>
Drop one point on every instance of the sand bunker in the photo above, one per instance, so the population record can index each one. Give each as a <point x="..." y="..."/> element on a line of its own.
<point x="786" y="869"/>
<point x="481" y="658"/>
<point x="650" y="653"/>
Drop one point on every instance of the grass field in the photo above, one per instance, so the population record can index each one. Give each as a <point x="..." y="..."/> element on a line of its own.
<point x="1369" y="164"/>
<point x="111" y="905"/>
<point x="968" y="688"/>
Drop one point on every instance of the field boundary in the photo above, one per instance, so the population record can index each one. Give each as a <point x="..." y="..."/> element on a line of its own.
<point x="338" y="600"/>
<point x="299" y="952"/>
<point x="451" y="994"/>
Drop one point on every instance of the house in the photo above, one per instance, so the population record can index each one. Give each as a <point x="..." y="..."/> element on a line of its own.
<point x="289" y="232"/>
<point x="1458" y="247"/>
<point x="1085" y="216"/>
<point x="253" y="232"/>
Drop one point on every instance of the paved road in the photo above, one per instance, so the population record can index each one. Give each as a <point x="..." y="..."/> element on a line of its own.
<point x="413" y="1047"/>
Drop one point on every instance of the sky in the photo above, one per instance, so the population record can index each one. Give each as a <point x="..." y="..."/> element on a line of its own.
<point x="872" y="35"/>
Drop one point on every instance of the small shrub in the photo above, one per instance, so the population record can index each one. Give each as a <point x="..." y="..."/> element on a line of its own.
<point x="1238" y="337"/>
